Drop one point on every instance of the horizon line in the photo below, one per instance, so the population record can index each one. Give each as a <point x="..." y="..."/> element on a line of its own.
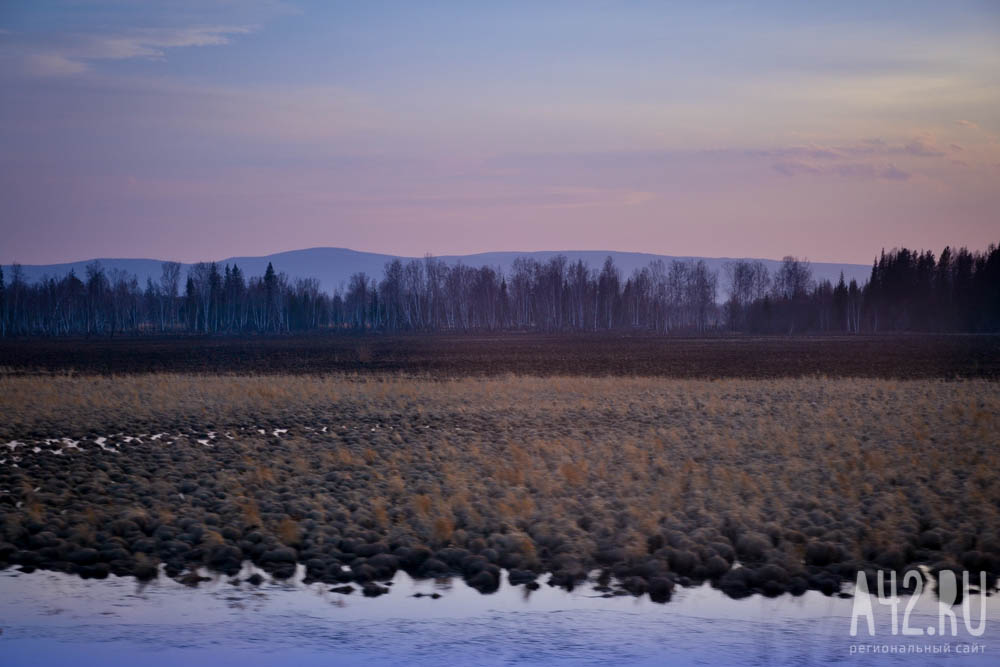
<point x="440" y="256"/>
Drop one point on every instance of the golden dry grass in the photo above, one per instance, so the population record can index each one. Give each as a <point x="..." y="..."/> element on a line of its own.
<point x="550" y="467"/>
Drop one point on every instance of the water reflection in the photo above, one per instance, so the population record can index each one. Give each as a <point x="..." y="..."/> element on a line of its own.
<point x="53" y="618"/>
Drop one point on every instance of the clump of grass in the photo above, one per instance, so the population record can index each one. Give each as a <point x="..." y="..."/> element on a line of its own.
<point x="574" y="473"/>
<point x="13" y="527"/>
<point x="289" y="532"/>
<point x="212" y="538"/>
<point x="34" y="509"/>
<point x="381" y="512"/>
<point x="343" y="456"/>
<point x="263" y="474"/>
<point x="396" y="485"/>
<point x="422" y="504"/>
<point x="443" y="529"/>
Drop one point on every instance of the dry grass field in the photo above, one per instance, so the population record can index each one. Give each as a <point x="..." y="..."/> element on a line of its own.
<point x="656" y="482"/>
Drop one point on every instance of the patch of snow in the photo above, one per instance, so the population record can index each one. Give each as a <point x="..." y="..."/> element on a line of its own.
<point x="100" y="443"/>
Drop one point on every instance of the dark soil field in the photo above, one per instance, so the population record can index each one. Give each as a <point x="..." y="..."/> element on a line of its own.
<point x="910" y="356"/>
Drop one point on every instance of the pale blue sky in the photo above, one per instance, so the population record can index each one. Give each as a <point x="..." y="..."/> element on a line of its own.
<point x="197" y="130"/>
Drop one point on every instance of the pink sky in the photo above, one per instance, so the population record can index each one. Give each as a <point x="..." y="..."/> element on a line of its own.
<point x="211" y="130"/>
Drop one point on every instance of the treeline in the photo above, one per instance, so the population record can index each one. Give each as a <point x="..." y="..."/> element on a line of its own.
<point x="908" y="291"/>
<point x="210" y="300"/>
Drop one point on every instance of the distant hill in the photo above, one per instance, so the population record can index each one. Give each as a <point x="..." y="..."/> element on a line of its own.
<point x="334" y="266"/>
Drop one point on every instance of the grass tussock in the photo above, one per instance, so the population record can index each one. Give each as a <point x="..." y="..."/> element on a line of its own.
<point x="650" y="478"/>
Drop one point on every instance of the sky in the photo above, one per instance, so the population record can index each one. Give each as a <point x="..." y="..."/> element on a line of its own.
<point x="202" y="129"/>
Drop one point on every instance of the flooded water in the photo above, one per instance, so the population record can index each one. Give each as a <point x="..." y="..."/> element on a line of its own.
<point x="51" y="618"/>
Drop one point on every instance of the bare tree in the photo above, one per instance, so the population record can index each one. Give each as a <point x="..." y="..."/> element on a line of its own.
<point x="748" y="282"/>
<point x="793" y="280"/>
<point x="170" y="281"/>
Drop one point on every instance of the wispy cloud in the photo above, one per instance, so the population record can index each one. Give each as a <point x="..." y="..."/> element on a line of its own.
<point x="75" y="53"/>
<point x="792" y="168"/>
<point x="923" y="145"/>
<point x="850" y="170"/>
<point x="812" y="152"/>
<point x="979" y="130"/>
<point x="51" y="64"/>
<point x="153" y="43"/>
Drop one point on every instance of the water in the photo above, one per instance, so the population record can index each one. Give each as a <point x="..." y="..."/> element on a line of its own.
<point x="50" y="618"/>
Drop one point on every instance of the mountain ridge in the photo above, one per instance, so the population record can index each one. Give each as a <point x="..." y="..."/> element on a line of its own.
<point x="333" y="266"/>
